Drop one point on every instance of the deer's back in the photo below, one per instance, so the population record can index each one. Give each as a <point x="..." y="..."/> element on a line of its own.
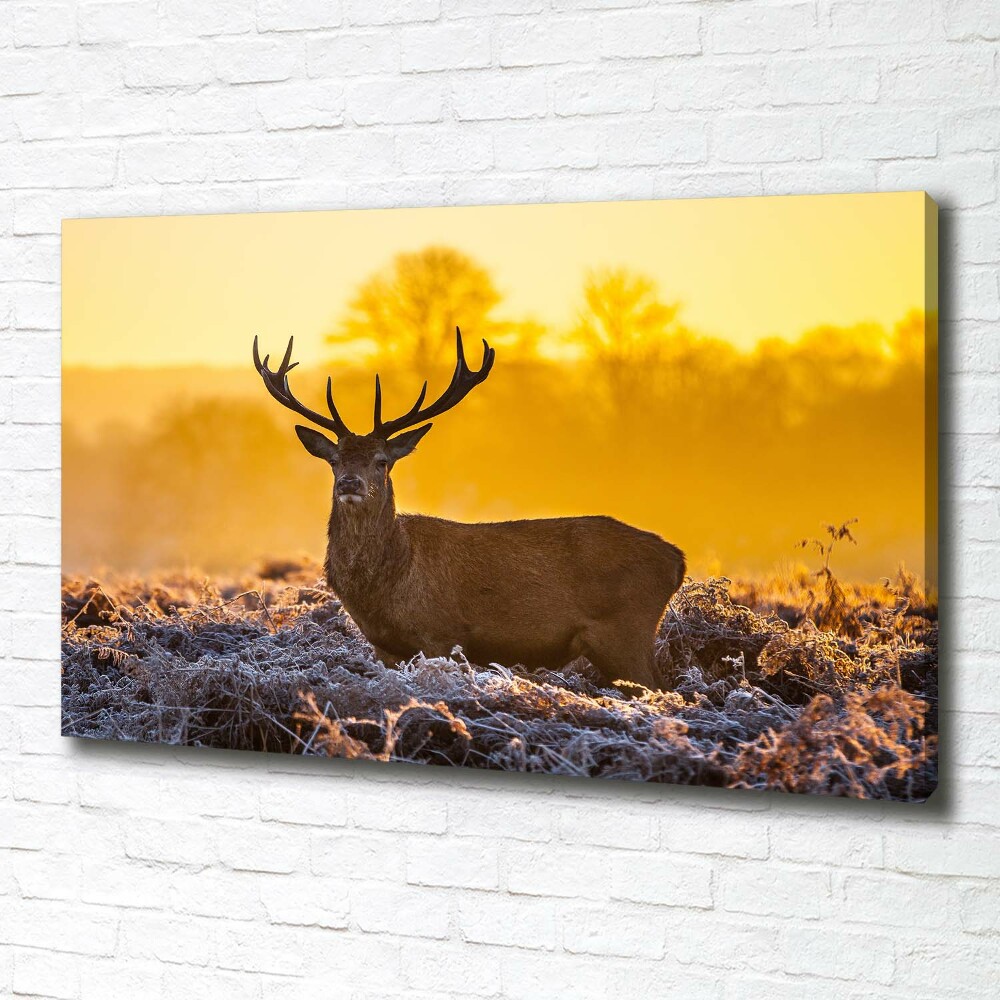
<point x="507" y="587"/>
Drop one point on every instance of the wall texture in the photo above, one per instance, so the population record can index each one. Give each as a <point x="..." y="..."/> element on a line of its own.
<point x="146" y="872"/>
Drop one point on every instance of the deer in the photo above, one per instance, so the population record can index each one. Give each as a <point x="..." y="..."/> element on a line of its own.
<point x="536" y="593"/>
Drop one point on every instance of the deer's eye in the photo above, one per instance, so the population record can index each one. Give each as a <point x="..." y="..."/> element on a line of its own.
<point x="381" y="463"/>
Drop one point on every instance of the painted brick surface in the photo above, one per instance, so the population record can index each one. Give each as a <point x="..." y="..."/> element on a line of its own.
<point x="136" y="871"/>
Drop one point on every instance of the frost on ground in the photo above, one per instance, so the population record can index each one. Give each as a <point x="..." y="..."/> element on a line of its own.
<point x="801" y="684"/>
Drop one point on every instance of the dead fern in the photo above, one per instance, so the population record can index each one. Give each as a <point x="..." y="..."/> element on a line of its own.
<point x="748" y="698"/>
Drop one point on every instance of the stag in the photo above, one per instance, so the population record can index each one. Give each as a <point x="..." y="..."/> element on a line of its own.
<point x="539" y="593"/>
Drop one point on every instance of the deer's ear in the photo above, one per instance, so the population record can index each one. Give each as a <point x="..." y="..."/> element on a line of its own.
<point x="401" y="445"/>
<point x="317" y="444"/>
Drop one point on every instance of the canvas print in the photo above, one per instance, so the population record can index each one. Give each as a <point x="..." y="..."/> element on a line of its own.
<point x="636" y="490"/>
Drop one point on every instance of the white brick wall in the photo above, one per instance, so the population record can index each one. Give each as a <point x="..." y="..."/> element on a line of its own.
<point x="145" y="872"/>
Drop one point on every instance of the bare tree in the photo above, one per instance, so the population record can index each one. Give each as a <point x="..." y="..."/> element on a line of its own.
<point x="409" y="310"/>
<point x="623" y="328"/>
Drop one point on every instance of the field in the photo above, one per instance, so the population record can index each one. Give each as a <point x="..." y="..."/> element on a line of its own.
<point x="797" y="683"/>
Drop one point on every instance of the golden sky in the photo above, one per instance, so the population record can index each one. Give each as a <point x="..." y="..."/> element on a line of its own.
<point x="194" y="289"/>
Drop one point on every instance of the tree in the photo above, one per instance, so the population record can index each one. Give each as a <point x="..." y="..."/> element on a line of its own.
<point x="408" y="311"/>
<point x="622" y="328"/>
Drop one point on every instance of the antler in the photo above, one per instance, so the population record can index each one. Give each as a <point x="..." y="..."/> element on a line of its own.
<point x="463" y="381"/>
<point x="276" y="383"/>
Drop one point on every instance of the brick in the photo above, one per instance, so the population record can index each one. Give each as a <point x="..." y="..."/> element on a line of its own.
<point x="301" y="105"/>
<point x="71" y="166"/>
<point x="897" y="901"/>
<point x="969" y="20"/>
<point x="802" y="839"/>
<point x="577" y="92"/>
<point x="444" y="46"/>
<point x="181" y="983"/>
<point x="249" y="847"/>
<point x="397" y="809"/>
<point x="391" y="11"/>
<point x="527" y="976"/>
<point x="438" y="863"/>
<point x="172" y="841"/>
<point x="271" y="949"/>
<point x="392" y="102"/>
<point x="690" y="86"/>
<point x="815" y="81"/>
<point x="138" y="872"/>
<point x="304" y="900"/>
<point x="515" y="816"/>
<point x="125" y="884"/>
<point x="628" y="932"/>
<point x="650" y="34"/>
<point x="972" y="130"/>
<point x="979" y="909"/>
<point x="966" y="183"/>
<point x="172" y="65"/>
<point x="442" y="967"/>
<point x="661" y="879"/>
<point x="954" y="968"/>
<point x="35" y="402"/>
<point x="528" y="147"/>
<point x="746" y="29"/>
<point x="381" y="908"/>
<point x="511" y="921"/>
<point x="310" y="801"/>
<point x="720" y="943"/>
<point x="866" y="957"/>
<point x="258" y="60"/>
<point x="937" y="79"/>
<point x="42" y="24"/>
<point x="733" y="834"/>
<point x="857" y="22"/>
<point x="117" y="21"/>
<point x="134" y="113"/>
<point x="591" y="824"/>
<point x="485" y="95"/>
<point x="192" y="17"/>
<point x="112" y="979"/>
<point x="943" y="853"/>
<point x="769" y="890"/>
<point x="553" y="871"/>
<point x="464" y="151"/>
<point x="536" y="43"/>
<point x="39" y="973"/>
<point x="162" y="161"/>
<point x="35" y="636"/>
<point x="58" y="927"/>
<point x="23" y="73"/>
<point x="357" y="856"/>
<point x="355" y="53"/>
<point x="973" y="747"/>
<point x="486" y="8"/>
<point x="765" y="139"/>
<point x="884" y="135"/>
<point x="164" y="938"/>
<point x="215" y="892"/>
<point x="40" y="875"/>
<point x="302" y="15"/>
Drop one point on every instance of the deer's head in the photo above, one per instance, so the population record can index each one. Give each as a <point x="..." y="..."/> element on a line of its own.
<point x="362" y="463"/>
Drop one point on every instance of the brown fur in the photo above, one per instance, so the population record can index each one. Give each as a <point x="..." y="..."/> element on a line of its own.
<point x="537" y="592"/>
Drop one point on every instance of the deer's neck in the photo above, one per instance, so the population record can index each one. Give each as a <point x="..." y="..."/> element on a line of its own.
<point x="366" y="551"/>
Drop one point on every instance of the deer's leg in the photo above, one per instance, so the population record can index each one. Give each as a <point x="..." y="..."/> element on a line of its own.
<point x="387" y="659"/>
<point x="621" y="654"/>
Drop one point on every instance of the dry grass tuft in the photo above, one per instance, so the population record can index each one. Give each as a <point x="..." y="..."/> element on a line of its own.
<point x="757" y="693"/>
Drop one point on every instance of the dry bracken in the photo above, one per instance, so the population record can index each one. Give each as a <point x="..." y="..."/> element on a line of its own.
<point x="756" y="693"/>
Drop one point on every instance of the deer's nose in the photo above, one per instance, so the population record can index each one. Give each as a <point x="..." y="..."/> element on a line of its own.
<point x="350" y="484"/>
